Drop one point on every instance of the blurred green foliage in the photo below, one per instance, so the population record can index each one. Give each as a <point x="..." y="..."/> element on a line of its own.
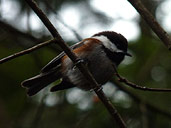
<point x="150" y="66"/>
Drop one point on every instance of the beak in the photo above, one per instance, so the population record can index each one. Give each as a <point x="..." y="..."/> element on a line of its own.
<point x="126" y="54"/>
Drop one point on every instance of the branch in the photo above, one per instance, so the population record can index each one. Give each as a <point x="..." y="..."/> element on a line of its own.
<point x="27" y="51"/>
<point x="111" y="109"/>
<point x="79" y="38"/>
<point x="140" y="100"/>
<point x="39" y="112"/>
<point x="124" y="80"/>
<point x="15" y="31"/>
<point x="151" y="21"/>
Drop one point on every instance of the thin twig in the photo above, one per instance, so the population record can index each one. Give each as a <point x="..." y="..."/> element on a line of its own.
<point x="138" y="99"/>
<point x="80" y="66"/>
<point x="151" y="21"/>
<point x="16" y="32"/>
<point x="79" y="38"/>
<point x="39" y="112"/>
<point x="124" y="80"/>
<point x="27" y="51"/>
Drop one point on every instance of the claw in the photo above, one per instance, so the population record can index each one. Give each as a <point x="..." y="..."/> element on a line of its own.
<point x="85" y="62"/>
<point x="96" y="89"/>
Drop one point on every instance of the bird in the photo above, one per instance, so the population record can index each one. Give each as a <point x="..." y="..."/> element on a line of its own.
<point x="99" y="53"/>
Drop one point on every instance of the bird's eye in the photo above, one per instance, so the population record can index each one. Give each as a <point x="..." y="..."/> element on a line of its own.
<point x="117" y="45"/>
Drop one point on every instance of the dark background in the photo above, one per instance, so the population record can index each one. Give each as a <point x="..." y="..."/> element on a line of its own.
<point x="150" y="66"/>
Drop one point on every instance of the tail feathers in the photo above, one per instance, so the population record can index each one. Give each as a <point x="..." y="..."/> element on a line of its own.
<point x="63" y="85"/>
<point x="35" y="84"/>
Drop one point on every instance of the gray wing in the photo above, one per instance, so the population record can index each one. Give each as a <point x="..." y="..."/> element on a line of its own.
<point x="57" y="60"/>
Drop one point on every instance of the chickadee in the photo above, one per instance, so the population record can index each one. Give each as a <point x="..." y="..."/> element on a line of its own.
<point x="100" y="52"/>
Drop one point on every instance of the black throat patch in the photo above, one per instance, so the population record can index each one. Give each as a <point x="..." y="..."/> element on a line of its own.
<point x="115" y="57"/>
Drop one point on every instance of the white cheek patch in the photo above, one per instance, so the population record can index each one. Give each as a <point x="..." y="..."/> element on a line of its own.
<point x="107" y="43"/>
